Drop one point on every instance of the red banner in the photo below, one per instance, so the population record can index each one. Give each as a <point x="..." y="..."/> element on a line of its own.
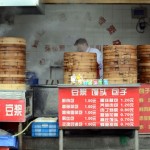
<point x="144" y="100"/>
<point x="12" y="110"/>
<point x="99" y="107"/>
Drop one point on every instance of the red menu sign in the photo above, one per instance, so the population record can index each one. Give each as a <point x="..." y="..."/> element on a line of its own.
<point x="12" y="110"/>
<point x="144" y="100"/>
<point x="99" y="107"/>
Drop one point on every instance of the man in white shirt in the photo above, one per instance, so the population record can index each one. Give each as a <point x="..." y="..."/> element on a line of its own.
<point x="82" y="46"/>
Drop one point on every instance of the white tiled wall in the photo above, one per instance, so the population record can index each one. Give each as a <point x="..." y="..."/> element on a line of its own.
<point x="63" y="24"/>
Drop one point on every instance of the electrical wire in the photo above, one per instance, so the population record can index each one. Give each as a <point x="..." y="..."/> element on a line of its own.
<point x="140" y="29"/>
<point x="24" y="128"/>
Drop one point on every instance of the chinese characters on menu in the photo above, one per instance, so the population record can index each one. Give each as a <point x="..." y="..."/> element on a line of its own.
<point x="97" y="107"/>
<point x="13" y="109"/>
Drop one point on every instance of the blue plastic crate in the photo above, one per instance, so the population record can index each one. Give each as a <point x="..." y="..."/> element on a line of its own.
<point x="8" y="141"/>
<point x="45" y="129"/>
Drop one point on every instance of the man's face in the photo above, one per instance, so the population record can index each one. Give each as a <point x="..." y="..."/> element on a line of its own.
<point x="82" y="47"/>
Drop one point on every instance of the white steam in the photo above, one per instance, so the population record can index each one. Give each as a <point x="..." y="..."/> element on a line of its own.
<point x="4" y="29"/>
<point x="40" y="69"/>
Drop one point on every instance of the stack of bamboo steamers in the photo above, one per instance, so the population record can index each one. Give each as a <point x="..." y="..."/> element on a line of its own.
<point x="82" y="63"/>
<point x="120" y="64"/>
<point x="12" y="63"/>
<point x="144" y="63"/>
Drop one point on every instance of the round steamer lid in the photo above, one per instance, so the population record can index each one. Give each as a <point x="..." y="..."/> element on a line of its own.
<point x="12" y="86"/>
<point x="79" y="53"/>
<point x="12" y="75"/>
<point x="12" y="40"/>
<point x="119" y="46"/>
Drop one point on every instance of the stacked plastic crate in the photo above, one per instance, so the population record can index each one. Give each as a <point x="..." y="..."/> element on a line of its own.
<point x="8" y="142"/>
<point x="45" y="129"/>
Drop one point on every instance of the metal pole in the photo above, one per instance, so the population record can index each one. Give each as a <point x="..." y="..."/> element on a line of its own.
<point x="60" y="139"/>
<point x="20" y="136"/>
<point x="136" y="140"/>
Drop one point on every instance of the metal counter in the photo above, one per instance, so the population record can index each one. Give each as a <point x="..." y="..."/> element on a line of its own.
<point x="64" y="92"/>
<point x="97" y="86"/>
<point x="45" y="97"/>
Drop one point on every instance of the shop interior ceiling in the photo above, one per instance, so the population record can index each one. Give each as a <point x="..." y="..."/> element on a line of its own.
<point x="22" y="6"/>
<point x="9" y="8"/>
<point x="100" y="1"/>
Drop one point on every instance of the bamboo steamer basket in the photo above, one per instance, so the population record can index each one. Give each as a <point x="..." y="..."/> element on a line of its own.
<point x="79" y="69"/>
<point x="82" y="63"/>
<point x="12" y="41"/>
<point x="79" y="54"/>
<point x="129" y="80"/>
<point x="119" y="47"/>
<point x="12" y="86"/>
<point x="123" y="62"/>
<point x="12" y="63"/>
<point x="144" y="63"/>
<point x="120" y="64"/>
<point x="144" y="69"/>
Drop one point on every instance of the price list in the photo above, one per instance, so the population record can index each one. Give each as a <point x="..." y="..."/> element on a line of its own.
<point x="98" y="107"/>
<point x="144" y="100"/>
